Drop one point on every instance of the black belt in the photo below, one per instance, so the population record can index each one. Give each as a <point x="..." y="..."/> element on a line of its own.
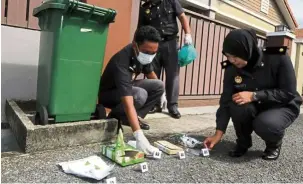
<point x="168" y="38"/>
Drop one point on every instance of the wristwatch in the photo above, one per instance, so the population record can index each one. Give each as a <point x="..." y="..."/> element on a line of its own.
<point x="254" y="97"/>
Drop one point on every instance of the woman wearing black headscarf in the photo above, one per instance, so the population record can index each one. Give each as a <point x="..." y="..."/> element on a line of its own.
<point x="259" y="94"/>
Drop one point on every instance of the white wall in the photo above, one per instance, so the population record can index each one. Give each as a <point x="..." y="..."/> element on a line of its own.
<point x="293" y="54"/>
<point x="299" y="66"/>
<point x="19" y="60"/>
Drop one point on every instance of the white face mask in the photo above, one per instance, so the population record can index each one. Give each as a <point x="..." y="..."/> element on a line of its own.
<point x="145" y="59"/>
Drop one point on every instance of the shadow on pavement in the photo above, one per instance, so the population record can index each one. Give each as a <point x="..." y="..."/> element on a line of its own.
<point x="9" y="143"/>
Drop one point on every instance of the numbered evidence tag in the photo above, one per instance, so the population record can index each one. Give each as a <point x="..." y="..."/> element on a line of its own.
<point x="144" y="167"/>
<point x="157" y="154"/>
<point x="205" y="152"/>
<point x="181" y="154"/>
<point x="112" y="180"/>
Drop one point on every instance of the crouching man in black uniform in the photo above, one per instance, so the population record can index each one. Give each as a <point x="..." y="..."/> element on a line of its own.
<point x="259" y="94"/>
<point x="129" y="99"/>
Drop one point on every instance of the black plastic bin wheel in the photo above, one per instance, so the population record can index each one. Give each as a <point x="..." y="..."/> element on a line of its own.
<point x="41" y="117"/>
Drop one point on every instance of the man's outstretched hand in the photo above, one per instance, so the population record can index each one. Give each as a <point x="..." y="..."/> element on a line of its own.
<point x="143" y="144"/>
<point x="210" y="142"/>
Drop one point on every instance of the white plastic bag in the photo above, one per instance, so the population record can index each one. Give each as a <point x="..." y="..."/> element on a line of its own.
<point x="189" y="141"/>
<point x="91" y="167"/>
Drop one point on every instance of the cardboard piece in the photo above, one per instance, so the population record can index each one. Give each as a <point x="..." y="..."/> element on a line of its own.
<point x="122" y="153"/>
<point x="167" y="147"/>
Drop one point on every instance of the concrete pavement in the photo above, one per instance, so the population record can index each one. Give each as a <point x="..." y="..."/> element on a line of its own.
<point x="41" y="167"/>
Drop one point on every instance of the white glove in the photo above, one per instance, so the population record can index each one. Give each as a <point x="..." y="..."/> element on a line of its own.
<point x="143" y="144"/>
<point x="187" y="39"/>
<point x="163" y="104"/>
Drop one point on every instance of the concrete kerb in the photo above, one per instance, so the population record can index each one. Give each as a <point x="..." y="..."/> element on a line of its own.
<point x="33" y="138"/>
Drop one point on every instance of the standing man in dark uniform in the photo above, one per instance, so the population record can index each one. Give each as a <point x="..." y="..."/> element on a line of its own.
<point x="130" y="99"/>
<point x="162" y="14"/>
<point x="259" y="94"/>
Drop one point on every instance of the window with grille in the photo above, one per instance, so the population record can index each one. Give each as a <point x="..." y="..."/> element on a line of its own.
<point x="265" y="6"/>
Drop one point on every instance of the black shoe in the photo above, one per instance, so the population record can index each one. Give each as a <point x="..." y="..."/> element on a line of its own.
<point x="174" y="113"/>
<point x="271" y="153"/>
<point x="237" y="152"/>
<point x="155" y="109"/>
<point x="100" y="112"/>
<point x="143" y="125"/>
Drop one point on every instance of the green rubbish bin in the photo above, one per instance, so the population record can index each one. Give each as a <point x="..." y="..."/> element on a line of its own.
<point x="72" y="46"/>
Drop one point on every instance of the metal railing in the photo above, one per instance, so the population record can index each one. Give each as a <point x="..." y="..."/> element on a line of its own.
<point x="19" y="13"/>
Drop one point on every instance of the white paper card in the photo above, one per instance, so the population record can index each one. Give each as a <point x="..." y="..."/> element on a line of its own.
<point x="205" y="152"/>
<point x="181" y="154"/>
<point x="157" y="154"/>
<point x="144" y="167"/>
<point x="112" y="180"/>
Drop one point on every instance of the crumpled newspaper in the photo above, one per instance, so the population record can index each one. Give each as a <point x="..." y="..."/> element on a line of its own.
<point x="91" y="167"/>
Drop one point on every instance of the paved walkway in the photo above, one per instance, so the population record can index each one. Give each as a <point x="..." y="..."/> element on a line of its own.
<point x="41" y="167"/>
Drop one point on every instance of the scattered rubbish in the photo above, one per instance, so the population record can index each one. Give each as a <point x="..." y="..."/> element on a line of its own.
<point x="167" y="147"/>
<point x="122" y="153"/>
<point x="91" y="167"/>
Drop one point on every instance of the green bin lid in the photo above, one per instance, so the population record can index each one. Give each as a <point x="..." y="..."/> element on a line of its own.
<point x="106" y="15"/>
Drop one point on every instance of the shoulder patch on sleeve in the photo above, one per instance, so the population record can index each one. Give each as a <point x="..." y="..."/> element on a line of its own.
<point x="275" y="50"/>
<point x="225" y="64"/>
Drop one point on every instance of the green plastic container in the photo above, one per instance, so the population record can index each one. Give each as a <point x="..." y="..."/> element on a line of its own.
<point x="72" y="46"/>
